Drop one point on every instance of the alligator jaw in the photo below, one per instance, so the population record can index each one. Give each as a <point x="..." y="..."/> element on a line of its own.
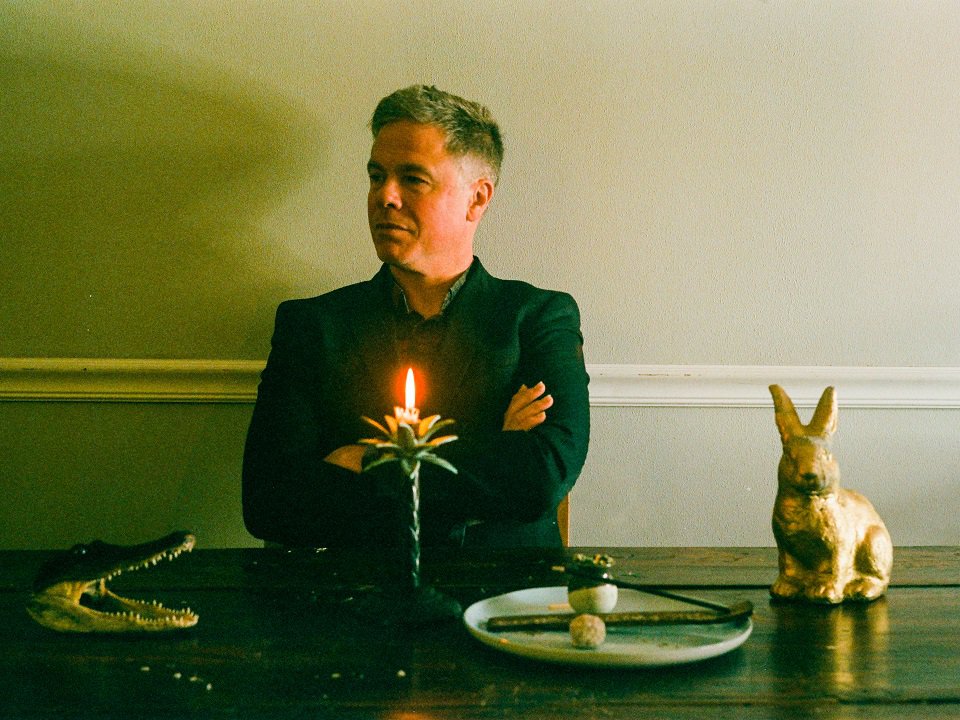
<point x="71" y="593"/>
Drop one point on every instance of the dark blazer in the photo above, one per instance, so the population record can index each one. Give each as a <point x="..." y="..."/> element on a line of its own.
<point x="337" y="357"/>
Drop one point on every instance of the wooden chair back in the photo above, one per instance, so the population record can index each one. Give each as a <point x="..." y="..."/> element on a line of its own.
<point x="563" y="520"/>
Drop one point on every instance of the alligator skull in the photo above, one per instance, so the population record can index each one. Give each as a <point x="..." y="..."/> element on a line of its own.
<point x="70" y="593"/>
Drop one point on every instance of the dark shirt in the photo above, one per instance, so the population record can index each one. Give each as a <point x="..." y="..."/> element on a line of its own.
<point x="418" y="338"/>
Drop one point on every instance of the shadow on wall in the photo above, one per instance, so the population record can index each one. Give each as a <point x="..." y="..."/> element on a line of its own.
<point x="121" y="472"/>
<point x="132" y="193"/>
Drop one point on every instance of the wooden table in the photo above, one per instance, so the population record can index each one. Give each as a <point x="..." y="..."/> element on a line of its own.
<point x="265" y="649"/>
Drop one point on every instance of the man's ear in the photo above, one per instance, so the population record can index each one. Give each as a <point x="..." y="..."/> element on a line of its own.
<point x="481" y="194"/>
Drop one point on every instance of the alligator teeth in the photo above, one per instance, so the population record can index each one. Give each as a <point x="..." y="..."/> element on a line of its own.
<point x="60" y="604"/>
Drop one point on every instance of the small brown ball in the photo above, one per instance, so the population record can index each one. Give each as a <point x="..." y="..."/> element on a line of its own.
<point x="587" y="631"/>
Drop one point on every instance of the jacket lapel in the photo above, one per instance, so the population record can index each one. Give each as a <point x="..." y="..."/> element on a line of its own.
<point x="374" y="333"/>
<point x="463" y="338"/>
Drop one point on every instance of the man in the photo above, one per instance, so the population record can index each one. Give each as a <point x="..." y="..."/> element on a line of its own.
<point x="501" y="358"/>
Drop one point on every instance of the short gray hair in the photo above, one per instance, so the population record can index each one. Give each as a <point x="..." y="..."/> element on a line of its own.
<point x="469" y="126"/>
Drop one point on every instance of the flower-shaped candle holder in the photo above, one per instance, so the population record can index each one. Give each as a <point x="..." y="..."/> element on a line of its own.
<point x="410" y="442"/>
<point x="409" y="445"/>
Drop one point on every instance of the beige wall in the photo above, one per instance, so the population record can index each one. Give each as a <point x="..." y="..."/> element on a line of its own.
<point x="718" y="183"/>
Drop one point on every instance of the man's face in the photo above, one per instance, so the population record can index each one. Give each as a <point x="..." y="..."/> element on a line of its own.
<point x="420" y="205"/>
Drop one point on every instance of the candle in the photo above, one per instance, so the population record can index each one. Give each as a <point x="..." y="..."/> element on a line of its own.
<point x="409" y="414"/>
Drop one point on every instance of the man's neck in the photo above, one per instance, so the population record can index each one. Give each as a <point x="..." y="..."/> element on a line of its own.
<point x="425" y="295"/>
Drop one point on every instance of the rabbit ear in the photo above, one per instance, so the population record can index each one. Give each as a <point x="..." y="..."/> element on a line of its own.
<point x="785" y="414"/>
<point x="824" y="420"/>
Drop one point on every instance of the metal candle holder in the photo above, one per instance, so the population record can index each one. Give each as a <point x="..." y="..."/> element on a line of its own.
<point x="409" y="441"/>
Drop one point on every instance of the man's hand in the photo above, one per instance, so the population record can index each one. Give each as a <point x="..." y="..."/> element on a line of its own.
<point x="348" y="456"/>
<point x="527" y="408"/>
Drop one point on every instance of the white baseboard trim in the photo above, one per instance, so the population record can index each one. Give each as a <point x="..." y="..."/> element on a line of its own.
<point x="235" y="381"/>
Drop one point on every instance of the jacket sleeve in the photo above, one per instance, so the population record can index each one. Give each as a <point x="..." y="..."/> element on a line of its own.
<point x="290" y="494"/>
<point x="523" y="475"/>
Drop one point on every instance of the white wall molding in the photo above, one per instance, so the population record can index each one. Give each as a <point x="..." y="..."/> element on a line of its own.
<point x="129" y="380"/>
<point x="748" y="385"/>
<point x="235" y="381"/>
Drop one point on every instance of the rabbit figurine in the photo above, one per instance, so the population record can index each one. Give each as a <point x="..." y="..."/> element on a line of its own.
<point x="832" y="544"/>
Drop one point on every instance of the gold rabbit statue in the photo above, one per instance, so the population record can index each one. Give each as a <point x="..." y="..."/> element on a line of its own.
<point x="832" y="544"/>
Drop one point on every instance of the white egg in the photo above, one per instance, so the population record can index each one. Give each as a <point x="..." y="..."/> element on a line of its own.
<point x="596" y="599"/>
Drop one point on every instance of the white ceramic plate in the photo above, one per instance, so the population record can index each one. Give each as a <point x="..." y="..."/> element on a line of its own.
<point x="649" y="646"/>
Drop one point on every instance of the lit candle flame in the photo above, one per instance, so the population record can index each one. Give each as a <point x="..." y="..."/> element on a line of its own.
<point x="411" y="396"/>
<point x="409" y="414"/>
